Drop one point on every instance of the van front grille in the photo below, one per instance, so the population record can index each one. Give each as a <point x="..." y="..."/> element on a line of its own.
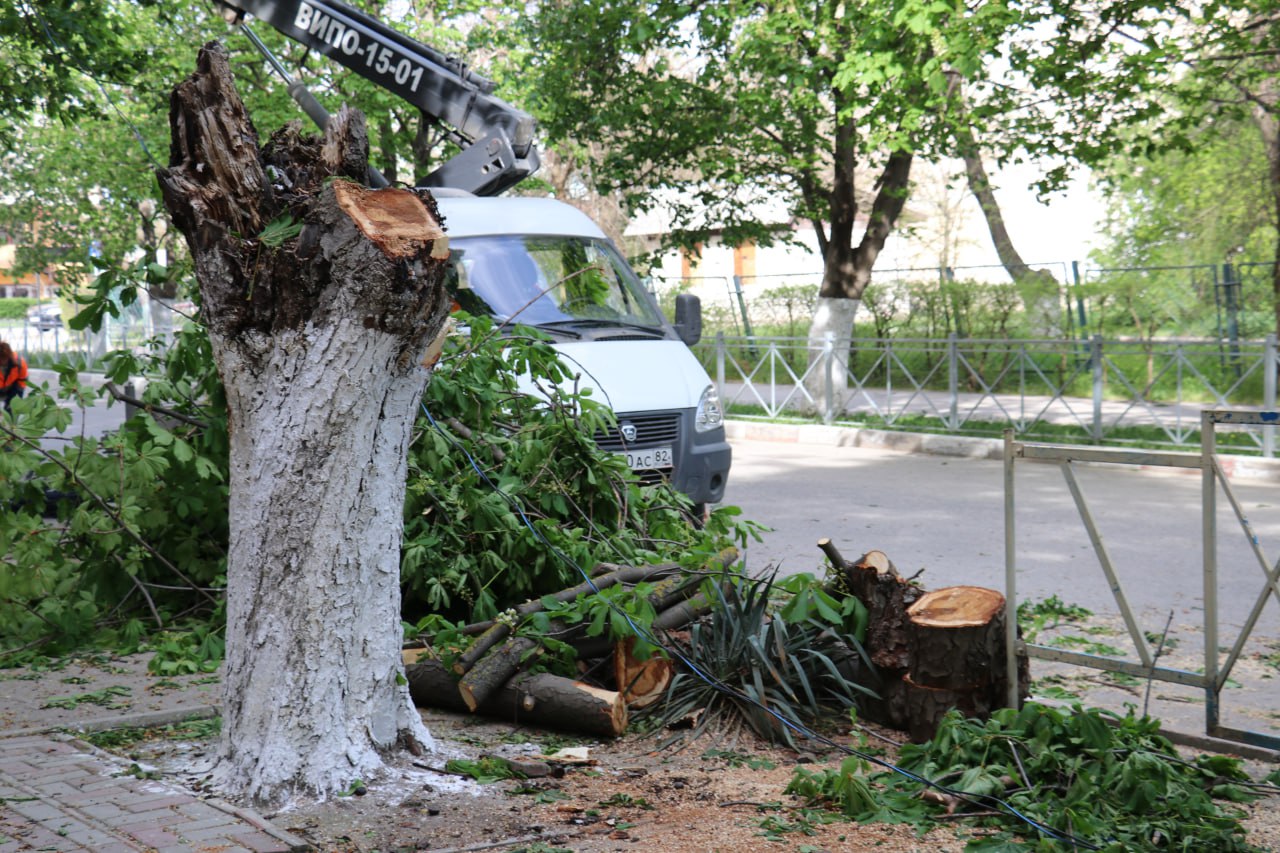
<point x="653" y="430"/>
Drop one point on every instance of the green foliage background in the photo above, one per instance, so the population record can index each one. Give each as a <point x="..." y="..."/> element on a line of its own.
<point x="135" y="548"/>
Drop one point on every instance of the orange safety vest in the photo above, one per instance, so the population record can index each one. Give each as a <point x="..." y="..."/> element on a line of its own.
<point x="15" y="374"/>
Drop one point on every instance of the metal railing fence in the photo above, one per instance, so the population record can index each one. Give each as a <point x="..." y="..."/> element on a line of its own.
<point x="1101" y="388"/>
<point x="1213" y="678"/>
<point x="89" y="347"/>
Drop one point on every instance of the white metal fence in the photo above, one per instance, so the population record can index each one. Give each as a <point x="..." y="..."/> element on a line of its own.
<point x="967" y="386"/>
<point x="1216" y="670"/>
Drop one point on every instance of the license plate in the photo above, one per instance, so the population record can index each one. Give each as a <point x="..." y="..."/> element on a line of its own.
<point x="650" y="457"/>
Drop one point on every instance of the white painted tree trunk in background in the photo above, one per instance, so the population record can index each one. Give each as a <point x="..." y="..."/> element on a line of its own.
<point x="834" y="316"/>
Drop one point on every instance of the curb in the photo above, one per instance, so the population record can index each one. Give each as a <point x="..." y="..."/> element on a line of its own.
<point x="144" y="720"/>
<point x="823" y="435"/>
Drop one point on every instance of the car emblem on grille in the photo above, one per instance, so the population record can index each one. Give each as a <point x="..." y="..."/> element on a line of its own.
<point x="628" y="430"/>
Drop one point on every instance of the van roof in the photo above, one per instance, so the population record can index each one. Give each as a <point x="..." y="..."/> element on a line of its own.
<point x="476" y="216"/>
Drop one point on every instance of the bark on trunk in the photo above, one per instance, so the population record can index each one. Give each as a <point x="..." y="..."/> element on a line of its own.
<point x="874" y="581"/>
<point x="320" y="298"/>
<point x="957" y="657"/>
<point x="1037" y="288"/>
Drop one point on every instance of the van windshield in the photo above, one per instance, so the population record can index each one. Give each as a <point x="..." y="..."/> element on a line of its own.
<point x="549" y="280"/>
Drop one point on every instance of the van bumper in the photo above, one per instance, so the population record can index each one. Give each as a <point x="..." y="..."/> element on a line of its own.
<point x="702" y="470"/>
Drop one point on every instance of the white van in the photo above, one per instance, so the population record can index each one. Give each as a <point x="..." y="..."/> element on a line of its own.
<point x="543" y="263"/>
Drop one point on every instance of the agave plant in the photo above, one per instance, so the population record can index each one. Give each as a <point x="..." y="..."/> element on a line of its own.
<point x="767" y="665"/>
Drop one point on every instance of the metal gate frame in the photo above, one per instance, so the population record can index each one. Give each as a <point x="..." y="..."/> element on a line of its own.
<point x="1216" y="672"/>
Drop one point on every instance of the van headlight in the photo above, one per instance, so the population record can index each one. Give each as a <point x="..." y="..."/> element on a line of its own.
<point x="710" y="413"/>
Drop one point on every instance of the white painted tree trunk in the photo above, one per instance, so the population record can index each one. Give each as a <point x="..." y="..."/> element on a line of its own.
<point x="833" y="316"/>
<point x="314" y="689"/>
<point x="162" y="319"/>
<point x="320" y="298"/>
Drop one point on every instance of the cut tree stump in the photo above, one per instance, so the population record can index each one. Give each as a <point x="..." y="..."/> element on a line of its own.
<point x="958" y="641"/>
<point x="958" y="657"/>
<point x="930" y="651"/>
<point x="924" y="707"/>
<point x="542" y="699"/>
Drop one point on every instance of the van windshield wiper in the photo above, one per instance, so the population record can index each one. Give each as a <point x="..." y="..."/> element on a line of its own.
<point x="600" y="323"/>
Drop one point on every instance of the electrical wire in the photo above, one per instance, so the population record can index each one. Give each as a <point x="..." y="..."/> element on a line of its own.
<point x="793" y="725"/>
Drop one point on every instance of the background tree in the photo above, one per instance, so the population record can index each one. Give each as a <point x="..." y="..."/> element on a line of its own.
<point x="1195" y="206"/>
<point x="723" y="113"/>
<point x="1109" y="80"/>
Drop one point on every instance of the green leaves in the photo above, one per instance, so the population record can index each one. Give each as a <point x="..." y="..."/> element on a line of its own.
<point x="284" y="227"/>
<point x="483" y="770"/>
<point x="470" y="551"/>
<point x="1086" y="774"/>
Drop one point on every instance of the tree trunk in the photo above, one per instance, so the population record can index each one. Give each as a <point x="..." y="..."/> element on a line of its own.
<point x="540" y="699"/>
<point x="1037" y="288"/>
<point x="847" y="270"/>
<point x="320" y="298"/>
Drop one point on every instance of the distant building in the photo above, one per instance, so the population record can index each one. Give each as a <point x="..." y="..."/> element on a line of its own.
<point x="34" y="285"/>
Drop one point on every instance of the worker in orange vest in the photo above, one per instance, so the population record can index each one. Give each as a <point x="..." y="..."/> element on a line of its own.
<point x="13" y="374"/>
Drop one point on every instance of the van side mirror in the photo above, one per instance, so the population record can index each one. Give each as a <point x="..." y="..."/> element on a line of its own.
<point x="688" y="318"/>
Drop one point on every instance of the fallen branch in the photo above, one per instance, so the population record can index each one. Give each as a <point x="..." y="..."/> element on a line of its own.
<point x="541" y="698"/>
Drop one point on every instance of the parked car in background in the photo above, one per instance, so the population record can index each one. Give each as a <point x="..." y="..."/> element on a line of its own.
<point x="45" y="316"/>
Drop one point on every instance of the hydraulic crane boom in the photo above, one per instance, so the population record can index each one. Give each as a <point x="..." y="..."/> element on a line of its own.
<point x="496" y="138"/>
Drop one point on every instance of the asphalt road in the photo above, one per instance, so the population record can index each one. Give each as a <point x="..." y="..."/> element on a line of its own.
<point x="945" y="516"/>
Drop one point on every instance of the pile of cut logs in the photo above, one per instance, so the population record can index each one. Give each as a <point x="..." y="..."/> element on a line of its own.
<point x="929" y="652"/>
<point x="487" y="678"/>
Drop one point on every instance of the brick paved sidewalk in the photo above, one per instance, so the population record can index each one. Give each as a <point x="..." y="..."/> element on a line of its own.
<point x="60" y="794"/>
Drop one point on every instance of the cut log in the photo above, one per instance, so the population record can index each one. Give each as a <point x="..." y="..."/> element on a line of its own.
<point x="683" y="613"/>
<point x="493" y="670"/>
<point x="641" y="682"/>
<point x="615" y="575"/>
<point x="537" y="699"/>
<point x="675" y="609"/>
<point x="494" y="635"/>
<point x="958" y="641"/>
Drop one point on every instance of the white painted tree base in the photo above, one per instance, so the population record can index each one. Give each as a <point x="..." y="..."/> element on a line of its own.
<point x="314" y="615"/>
<point x="835" y="317"/>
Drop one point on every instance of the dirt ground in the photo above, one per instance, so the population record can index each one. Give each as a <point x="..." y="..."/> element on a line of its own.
<point x="706" y="796"/>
